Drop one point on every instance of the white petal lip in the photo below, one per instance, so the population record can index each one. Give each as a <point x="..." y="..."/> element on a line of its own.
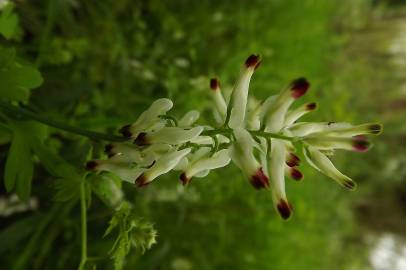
<point x="239" y="96"/>
<point x="169" y="135"/>
<point x="161" y="166"/>
<point x="189" y="118"/>
<point x="323" y="164"/>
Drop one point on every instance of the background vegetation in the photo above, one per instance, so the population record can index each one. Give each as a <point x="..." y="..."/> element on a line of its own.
<point x="98" y="64"/>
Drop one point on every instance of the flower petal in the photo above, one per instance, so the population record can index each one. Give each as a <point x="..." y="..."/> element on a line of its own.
<point x="168" y="135"/>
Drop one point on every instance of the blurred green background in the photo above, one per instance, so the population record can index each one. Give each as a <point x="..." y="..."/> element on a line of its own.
<point x="104" y="62"/>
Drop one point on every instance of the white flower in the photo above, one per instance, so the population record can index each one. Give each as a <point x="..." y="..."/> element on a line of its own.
<point x="149" y="119"/>
<point x="242" y="154"/>
<point x="163" y="165"/>
<point x="205" y="164"/>
<point x="322" y="163"/>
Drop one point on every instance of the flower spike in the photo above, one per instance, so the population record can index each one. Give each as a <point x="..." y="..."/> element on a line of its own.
<point x="260" y="137"/>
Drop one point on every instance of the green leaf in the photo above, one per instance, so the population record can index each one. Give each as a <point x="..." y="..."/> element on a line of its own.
<point x="17" y="80"/>
<point x="68" y="184"/>
<point x="19" y="167"/>
<point x="7" y="57"/>
<point x="8" y="22"/>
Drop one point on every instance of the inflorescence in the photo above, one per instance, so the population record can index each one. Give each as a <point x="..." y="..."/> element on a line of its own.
<point x="261" y="140"/>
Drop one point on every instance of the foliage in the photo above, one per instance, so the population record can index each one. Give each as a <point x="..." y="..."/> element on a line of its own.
<point x="97" y="65"/>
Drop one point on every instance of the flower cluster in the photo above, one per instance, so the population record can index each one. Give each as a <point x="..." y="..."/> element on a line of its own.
<point x="261" y="140"/>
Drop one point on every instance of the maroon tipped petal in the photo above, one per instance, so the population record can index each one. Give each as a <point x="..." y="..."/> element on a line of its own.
<point x="311" y="106"/>
<point x="126" y="131"/>
<point x="292" y="160"/>
<point x="141" y="139"/>
<point x="360" y="144"/>
<point x="184" y="179"/>
<point x="214" y="84"/>
<point x="299" y="87"/>
<point x="141" y="181"/>
<point x="259" y="179"/>
<point x="375" y="128"/>
<point x="91" y="165"/>
<point x="296" y="174"/>
<point x="349" y="184"/>
<point x="253" y="61"/>
<point x="284" y="209"/>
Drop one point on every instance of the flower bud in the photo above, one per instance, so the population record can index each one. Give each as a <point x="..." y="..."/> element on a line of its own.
<point x="351" y="131"/>
<point x="242" y="155"/>
<point x="292" y="160"/>
<point x="358" y="144"/>
<point x="275" y="116"/>
<point x="168" y="135"/>
<point x="163" y="165"/>
<point x="239" y="96"/>
<point x="149" y="119"/>
<point x="294" y="173"/>
<point x="322" y="163"/>
<point x="125" y="171"/>
<point x="293" y="116"/>
<point x="218" y="98"/>
<point x="276" y="166"/>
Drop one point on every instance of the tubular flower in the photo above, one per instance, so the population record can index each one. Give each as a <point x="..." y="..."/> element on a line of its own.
<point x="204" y="164"/>
<point x="242" y="153"/>
<point x="259" y="137"/>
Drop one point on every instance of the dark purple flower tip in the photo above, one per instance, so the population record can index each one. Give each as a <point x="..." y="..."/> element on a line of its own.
<point x="259" y="179"/>
<point x="141" y="139"/>
<point x="214" y="84"/>
<point x="299" y="87"/>
<point x="91" y="165"/>
<point x="125" y="131"/>
<point x="296" y="174"/>
<point x="253" y="61"/>
<point x="292" y="160"/>
<point x="360" y="144"/>
<point x="141" y="181"/>
<point x="375" y="128"/>
<point x="284" y="209"/>
<point x="108" y="149"/>
<point x="351" y="185"/>
<point x="311" y="106"/>
<point x="184" y="179"/>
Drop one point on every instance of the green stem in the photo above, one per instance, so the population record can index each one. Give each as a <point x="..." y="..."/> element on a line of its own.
<point x="228" y="131"/>
<point x="83" y="224"/>
<point x="21" y="112"/>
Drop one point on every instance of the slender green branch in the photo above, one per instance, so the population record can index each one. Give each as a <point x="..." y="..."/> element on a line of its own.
<point x="228" y="131"/>
<point x="21" y="112"/>
<point x="83" y="225"/>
